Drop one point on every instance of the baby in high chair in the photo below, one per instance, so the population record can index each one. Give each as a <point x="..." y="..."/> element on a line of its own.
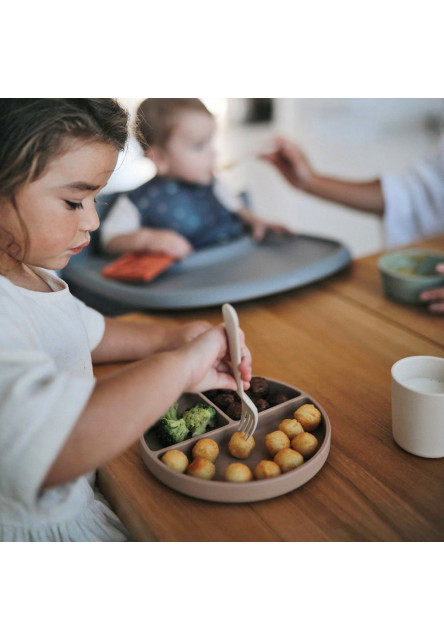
<point x="184" y="207"/>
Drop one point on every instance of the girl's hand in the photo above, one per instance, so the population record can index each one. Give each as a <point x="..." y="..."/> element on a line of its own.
<point x="435" y="296"/>
<point x="178" y="336"/>
<point x="292" y="163"/>
<point x="166" y="241"/>
<point x="208" y="362"/>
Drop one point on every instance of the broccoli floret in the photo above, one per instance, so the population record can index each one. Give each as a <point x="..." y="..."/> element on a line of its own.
<point x="200" y="418"/>
<point x="171" y="431"/>
<point x="171" y="414"/>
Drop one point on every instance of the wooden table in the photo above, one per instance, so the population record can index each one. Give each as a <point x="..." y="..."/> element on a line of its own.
<point x="337" y="340"/>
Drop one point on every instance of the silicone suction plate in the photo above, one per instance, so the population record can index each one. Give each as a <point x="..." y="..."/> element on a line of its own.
<point x="218" y="490"/>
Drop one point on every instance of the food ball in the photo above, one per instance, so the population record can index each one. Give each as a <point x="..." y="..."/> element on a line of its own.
<point x="308" y="416"/>
<point x="266" y="469"/>
<point x="288" y="459"/>
<point x="305" y="443"/>
<point x="238" y="472"/>
<point x="261" y="404"/>
<point x="239" y="446"/>
<point x="176" y="460"/>
<point x="201" y="468"/>
<point x="259" y="386"/>
<point x="277" y="397"/>
<point x="291" y="427"/>
<point x="275" y="441"/>
<point x="234" y="410"/>
<point x="223" y="400"/>
<point x="205" y="448"/>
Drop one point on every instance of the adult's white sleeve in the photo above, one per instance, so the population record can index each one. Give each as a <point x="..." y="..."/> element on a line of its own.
<point x="124" y="217"/>
<point x="414" y="202"/>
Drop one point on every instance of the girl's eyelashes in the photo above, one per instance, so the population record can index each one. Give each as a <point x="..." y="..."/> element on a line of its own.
<point x="74" y="205"/>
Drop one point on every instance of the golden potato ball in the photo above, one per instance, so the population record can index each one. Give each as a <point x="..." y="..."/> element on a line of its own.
<point x="308" y="416"/>
<point x="205" y="448"/>
<point x="238" y="472"/>
<point x="266" y="469"/>
<point x="239" y="446"/>
<point x="288" y="459"/>
<point x="291" y="427"/>
<point x="201" y="468"/>
<point x="275" y="441"/>
<point x="176" y="460"/>
<point x="305" y="443"/>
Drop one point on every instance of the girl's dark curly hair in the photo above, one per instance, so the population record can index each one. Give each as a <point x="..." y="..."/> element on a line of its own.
<point x="33" y="131"/>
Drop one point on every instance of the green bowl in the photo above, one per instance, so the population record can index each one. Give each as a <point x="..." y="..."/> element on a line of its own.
<point x="408" y="272"/>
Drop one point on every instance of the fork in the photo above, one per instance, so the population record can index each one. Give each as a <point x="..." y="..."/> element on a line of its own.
<point x="249" y="415"/>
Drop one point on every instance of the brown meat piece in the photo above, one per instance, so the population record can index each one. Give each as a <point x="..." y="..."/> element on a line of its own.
<point x="277" y="397"/>
<point x="234" y="410"/>
<point x="259" y="386"/>
<point x="261" y="404"/>
<point x="223" y="400"/>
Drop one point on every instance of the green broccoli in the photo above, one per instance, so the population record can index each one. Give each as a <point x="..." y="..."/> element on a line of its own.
<point x="171" y="431"/>
<point x="171" y="414"/>
<point x="199" y="418"/>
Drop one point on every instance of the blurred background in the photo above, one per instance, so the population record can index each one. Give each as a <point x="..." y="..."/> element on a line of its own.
<point x="352" y="138"/>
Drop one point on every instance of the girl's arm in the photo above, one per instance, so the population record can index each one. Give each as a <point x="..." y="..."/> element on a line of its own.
<point x="292" y="163"/>
<point x="125" y="341"/>
<point x="124" y="404"/>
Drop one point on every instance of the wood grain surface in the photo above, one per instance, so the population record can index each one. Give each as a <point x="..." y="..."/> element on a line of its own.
<point x="337" y="340"/>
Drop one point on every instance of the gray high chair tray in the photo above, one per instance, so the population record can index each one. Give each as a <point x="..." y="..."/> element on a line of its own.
<point x="241" y="270"/>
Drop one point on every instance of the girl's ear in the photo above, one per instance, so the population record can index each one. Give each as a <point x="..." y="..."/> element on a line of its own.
<point x="160" y="157"/>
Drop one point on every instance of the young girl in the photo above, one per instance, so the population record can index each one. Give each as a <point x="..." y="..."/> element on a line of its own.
<point x="57" y="423"/>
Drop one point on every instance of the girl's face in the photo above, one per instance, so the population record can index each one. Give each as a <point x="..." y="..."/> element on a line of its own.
<point x="189" y="154"/>
<point x="58" y="208"/>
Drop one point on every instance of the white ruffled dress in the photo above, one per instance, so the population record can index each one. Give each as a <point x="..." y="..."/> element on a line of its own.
<point x="46" y="379"/>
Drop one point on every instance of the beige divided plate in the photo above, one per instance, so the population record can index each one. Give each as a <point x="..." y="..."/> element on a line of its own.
<point x="218" y="490"/>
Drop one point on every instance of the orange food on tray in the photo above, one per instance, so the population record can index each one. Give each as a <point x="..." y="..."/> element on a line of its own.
<point x="138" y="266"/>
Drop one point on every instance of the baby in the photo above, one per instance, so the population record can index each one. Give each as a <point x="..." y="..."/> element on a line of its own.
<point x="183" y="207"/>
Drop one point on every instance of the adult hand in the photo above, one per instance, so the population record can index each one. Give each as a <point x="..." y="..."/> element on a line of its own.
<point x="292" y="163"/>
<point x="435" y="296"/>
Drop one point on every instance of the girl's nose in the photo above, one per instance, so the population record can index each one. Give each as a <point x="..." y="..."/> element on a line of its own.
<point x="90" y="221"/>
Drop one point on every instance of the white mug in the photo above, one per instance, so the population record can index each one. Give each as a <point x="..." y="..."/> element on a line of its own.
<point x="418" y="405"/>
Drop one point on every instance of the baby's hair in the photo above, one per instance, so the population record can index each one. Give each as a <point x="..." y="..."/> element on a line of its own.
<point x="157" y="117"/>
<point x="34" y="131"/>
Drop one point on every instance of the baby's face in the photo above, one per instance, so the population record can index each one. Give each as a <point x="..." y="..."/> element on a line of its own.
<point x="188" y="154"/>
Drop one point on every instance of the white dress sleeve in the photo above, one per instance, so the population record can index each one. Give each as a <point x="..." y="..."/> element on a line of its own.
<point x="414" y="202"/>
<point x="94" y="323"/>
<point x="38" y="407"/>
<point x="124" y="217"/>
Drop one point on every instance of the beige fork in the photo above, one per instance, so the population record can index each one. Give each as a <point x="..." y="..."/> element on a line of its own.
<point x="249" y="415"/>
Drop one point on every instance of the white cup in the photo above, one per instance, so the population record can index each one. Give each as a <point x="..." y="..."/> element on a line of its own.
<point x="418" y="405"/>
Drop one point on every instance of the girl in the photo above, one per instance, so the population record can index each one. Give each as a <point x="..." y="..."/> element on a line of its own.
<point x="57" y="423"/>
